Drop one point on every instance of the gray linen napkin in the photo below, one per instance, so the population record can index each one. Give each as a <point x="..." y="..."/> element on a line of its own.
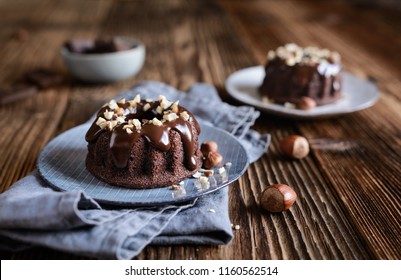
<point x="31" y="213"/>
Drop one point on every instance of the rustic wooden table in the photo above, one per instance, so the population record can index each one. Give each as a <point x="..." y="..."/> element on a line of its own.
<point x="349" y="189"/>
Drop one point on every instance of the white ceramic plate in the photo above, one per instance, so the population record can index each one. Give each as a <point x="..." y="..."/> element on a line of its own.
<point x="62" y="164"/>
<point x="358" y="94"/>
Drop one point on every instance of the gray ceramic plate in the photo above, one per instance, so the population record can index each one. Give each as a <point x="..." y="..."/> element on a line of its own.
<point x="62" y="164"/>
<point x="358" y="94"/>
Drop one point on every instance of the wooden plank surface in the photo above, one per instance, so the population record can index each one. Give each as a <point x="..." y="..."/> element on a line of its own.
<point x="348" y="189"/>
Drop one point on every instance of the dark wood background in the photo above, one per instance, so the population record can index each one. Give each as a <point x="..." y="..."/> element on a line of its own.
<point x="349" y="187"/>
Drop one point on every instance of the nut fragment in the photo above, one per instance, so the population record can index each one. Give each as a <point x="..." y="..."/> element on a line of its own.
<point x="174" y="107"/>
<point x="101" y="122"/>
<point x="120" y="120"/>
<point x="164" y="103"/>
<point x="212" y="160"/>
<point x="108" y="114"/>
<point x="130" y="126"/>
<point x="119" y="111"/>
<point x="203" y="179"/>
<point x="208" y="146"/>
<point x="170" y="117"/>
<point x="136" y="123"/>
<point x="294" y="146"/>
<point x="111" y="124"/>
<point x="277" y="198"/>
<point x="185" y="115"/>
<point x="306" y="103"/>
<point x="221" y="170"/>
<point x="289" y="105"/>
<point x="156" y="122"/>
<point x="112" y="104"/>
<point x="146" y="107"/>
<point x="133" y="102"/>
<point x="159" y="110"/>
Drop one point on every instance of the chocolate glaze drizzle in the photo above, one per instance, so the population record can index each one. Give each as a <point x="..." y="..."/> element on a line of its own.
<point x="121" y="142"/>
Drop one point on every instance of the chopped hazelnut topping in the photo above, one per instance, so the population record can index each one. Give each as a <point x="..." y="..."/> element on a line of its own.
<point x="271" y="55"/>
<point x="159" y="110"/>
<point x="135" y="101"/>
<point x="112" y="104"/>
<point x="290" y="61"/>
<point x="185" y="115"/>
<point x="136" y="123"/>
<point x="108" y="114"/>
<point x="170" y="117"/>
<point x="120" y="120"/>
<point x="101" y="122"/>
<point x="111" y="124"/>
<point x="266" y="100"/>
<point x="228" y="164"/>
<point x="165" y="104"/>
<point x="128" y="130"/>
<point x="146" y="107"/>
<point x="132" y="103"/>
<point x="289" y="105"/>
<point x="137" y="98"/>
<point x="157" y="122"/>
<point x="119" y="111"/>
<point x="203" y="179"/>
<point x="175" y="187"/>
<point x="221" y="170"/>
<point x="293" y="54"/>
<point x="196" y="175"/>
<point x="131" y="126"/>
<point x="121" y="101"/>
<point x="174" y="107"/>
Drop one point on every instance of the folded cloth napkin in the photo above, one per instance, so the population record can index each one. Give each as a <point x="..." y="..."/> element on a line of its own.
<point x="32" y="214"/>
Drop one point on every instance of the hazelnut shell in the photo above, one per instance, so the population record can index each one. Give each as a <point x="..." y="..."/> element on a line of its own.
<point x="277" y="198"/>
<point x="306" y="103"/>
<point x="208" y="146"/>
<point x="212" y="160"/>
<point x="294" y="146"/>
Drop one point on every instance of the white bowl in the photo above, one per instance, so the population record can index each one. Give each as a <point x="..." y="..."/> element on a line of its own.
<point x="106" y="67"/>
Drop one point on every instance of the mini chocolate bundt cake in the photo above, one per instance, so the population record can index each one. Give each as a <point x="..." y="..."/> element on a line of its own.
<point x="293" y="72"/>
<point x="143" y="143"/>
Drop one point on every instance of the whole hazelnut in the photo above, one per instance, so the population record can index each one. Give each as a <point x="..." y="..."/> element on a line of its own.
<point x="212" y="160"/>
<point x="208" y="146"/>
<point x="306" y="103"/>
<point x="294" y="146"/>
<point x="277" y="198"/>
